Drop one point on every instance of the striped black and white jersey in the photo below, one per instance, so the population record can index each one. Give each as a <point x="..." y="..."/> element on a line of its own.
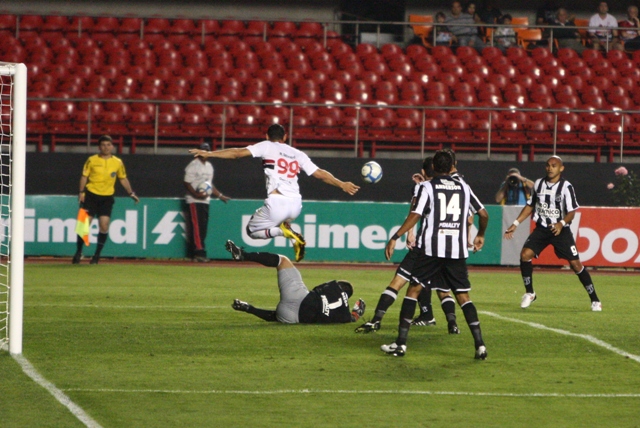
<point x="475" y="202"/>
<point x="552" y="202"/>
<point x="443" y="204"/>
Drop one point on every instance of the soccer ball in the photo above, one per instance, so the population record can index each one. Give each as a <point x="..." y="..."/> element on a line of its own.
<point x="205" y="187"/>
<point x="371" y="172"/>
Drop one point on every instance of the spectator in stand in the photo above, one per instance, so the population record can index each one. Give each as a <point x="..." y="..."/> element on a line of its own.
<point x="489" y="14"/>
<point x="461" y="25"/>
<point x="567" y="37"/>
<point x="471" y="10"/>
<point x="546" y="15"/>
<point x="505" y="37"/>
<point x="606" y="37"/>
<point x="629" y="38"/>
<point x="444" y="37"/>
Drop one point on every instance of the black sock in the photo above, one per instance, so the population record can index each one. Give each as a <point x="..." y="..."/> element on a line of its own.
<point x="102" y="239"/>
<point x="526" y="269"/>
<point x="449" y="309"/>
<point x="262" y="313"/>
<point x="387" y="298"/>
<point x="424" y="301"/>
<point x="79" y="244"/>
<point x="406" y="316"/>
<point x="585" y="279"/>
<point x="471" y="315"/>
<point x="266" y="259"/>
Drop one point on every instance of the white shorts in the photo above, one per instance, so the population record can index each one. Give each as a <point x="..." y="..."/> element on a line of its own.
<point x="276" y="209"/>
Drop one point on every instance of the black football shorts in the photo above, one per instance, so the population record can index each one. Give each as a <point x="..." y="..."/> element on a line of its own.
<point x="564" y="245"/>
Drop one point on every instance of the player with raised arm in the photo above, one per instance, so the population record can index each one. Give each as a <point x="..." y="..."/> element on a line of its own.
<point x="282" y="164"/>
<point x="327" y="303"/>
<point x="442" y="204"/>
<point x="553" y="204"/>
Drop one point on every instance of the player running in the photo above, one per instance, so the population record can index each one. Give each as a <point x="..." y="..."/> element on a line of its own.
<point x="282" y="164"/>
<point x="327" y="303"/>
<point x="555" y="205"/>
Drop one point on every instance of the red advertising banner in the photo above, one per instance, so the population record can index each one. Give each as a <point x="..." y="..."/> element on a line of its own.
<point x="604" y="237"/>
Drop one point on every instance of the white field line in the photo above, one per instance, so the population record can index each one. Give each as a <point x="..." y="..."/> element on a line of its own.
<point x="88" y="305"/>
<point x="76" y="410"/>
<point x="586" y="337"/>
<point x="325" y="391"/>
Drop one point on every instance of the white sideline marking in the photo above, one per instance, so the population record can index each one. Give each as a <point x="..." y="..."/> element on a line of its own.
<point x="164" y="307"/>
<point x="76" y="410"/>
<point x="586" y="337"/>
<point x="325" y="391"/>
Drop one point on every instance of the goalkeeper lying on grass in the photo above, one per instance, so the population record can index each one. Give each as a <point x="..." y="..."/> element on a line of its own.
<point x="326" y="303"/>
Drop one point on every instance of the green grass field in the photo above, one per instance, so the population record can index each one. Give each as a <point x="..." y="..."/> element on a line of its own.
<point x="159" y="346"/>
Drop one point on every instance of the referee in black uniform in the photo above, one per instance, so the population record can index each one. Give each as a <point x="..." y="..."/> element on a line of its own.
<point x="553" y="204"/>
<point x="441" y="248"/>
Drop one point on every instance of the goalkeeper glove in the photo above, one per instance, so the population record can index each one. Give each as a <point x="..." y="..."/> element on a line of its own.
<point x="358" y="309"/>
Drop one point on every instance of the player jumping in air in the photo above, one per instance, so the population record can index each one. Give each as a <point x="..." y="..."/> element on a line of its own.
<point x="553" y="204"/>
<point x="282" y="164"/>
<point x="327" y="303"/>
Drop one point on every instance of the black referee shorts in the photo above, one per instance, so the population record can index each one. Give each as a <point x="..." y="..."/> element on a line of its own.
<point x="97" y="205"/>
<point x="444" y="274"/>
<point x="564" y="245"/>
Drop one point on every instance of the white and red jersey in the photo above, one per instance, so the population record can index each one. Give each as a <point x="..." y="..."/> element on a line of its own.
<point x="282" y="164"/>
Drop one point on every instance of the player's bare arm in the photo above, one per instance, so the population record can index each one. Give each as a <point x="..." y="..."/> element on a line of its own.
<point x="329" y="178"/>
<point x="409" y="223"/>
<point x="233" y="153"/>
<point x="525" y="213"/>
<point x="483" y="222"/>
<point x="556" y="228"/>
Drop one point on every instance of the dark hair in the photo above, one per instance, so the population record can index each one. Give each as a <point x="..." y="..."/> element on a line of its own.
<point x="504" y="17"/>
<point x="427" y="166"/>
<point x="440" y="14"/>
<point x="442" y="162"/>
<point x="105" y="138"/>
<point x="452" y="154"/>
<point x="276" y="132"/>
<point x="346" y="287"/>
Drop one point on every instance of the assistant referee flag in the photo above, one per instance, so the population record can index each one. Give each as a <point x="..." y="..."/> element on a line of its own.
<point x="82" y="225"/>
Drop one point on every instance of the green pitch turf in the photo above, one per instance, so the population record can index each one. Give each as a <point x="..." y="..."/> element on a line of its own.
<point x="159" y="346"/>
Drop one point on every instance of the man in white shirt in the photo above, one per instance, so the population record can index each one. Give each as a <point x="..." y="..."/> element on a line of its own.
<point x="604" y="38"/>
<point x="197" y="172"/>
<point x="282" y="164"/>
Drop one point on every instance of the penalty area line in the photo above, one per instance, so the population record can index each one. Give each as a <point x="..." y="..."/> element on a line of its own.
<point x="378" y="392"/>
<point x="586" y="337"/>
<point x="62" y="398"/>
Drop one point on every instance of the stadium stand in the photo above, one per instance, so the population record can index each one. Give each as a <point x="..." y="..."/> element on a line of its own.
<point x="228" y="79"/>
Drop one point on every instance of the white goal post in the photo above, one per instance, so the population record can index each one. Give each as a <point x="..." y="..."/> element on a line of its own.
<point x="13" y="141"/>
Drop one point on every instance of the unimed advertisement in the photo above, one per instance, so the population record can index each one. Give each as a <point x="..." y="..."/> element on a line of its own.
<point x="604" y="237"/>
<point x="156" y="228"/>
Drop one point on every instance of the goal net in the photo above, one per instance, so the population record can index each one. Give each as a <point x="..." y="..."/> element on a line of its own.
<point x="13" y="112"/>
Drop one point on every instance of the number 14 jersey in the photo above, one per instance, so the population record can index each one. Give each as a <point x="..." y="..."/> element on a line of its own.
<point x="282" y="164"/>
<point x="444" y="206"/>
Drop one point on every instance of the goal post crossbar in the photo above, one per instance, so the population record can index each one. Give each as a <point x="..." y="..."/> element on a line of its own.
<point x="17" y="152"/>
